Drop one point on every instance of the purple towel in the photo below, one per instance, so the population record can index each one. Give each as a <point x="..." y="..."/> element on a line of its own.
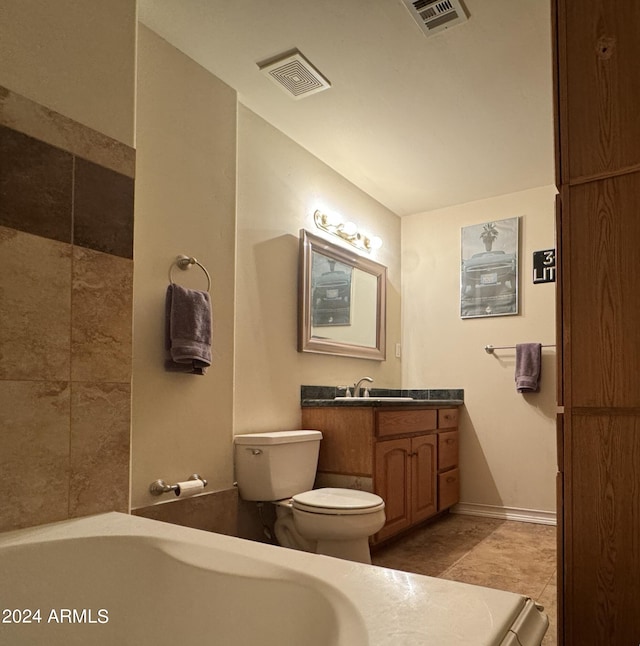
<point x="528" y="360"/>
<point x="188" y="330"/>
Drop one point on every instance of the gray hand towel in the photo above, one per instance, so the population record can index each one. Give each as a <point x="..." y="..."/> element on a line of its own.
<point x="188" y="330"/>
<point x="528" y="360"/>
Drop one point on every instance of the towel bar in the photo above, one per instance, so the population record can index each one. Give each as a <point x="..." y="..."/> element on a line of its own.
<point x="184" y="262"/>
<point x="490" y="348"/>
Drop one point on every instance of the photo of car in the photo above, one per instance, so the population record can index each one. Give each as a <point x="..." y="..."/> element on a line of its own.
<point x="489" y="278"/>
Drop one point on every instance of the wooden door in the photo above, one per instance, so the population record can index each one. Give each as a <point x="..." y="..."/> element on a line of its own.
<point x="597" y="90"/>
<point x="424" y="474"/>
<point x="393" y="484"/>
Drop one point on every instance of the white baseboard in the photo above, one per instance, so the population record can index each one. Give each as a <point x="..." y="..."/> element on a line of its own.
<point x="506" y="513"/>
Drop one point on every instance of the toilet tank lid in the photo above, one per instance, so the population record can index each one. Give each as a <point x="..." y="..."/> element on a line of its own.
<point x="277" y="437"/>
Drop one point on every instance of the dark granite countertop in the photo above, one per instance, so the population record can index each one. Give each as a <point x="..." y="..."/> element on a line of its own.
<point x="324" y="396"/>
<point x="373" y="402"/>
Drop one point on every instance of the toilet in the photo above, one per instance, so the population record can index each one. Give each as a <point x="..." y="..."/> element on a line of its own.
<point x="280" y="467"/>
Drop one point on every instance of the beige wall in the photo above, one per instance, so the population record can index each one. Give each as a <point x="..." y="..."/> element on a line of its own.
<point x="185" y="204"/>
<point x="280" y="185"/>
<point x="507" y="439"/>
<point x="77" y="58"/>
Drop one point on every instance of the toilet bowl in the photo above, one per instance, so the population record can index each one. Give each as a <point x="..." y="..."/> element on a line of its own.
<point x="279" y="467"/>
<point x="330" y="521"/>
<point x="340" y="521"/>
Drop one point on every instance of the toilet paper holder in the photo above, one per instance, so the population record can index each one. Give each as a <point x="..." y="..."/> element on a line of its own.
<point x="158" y="487"/>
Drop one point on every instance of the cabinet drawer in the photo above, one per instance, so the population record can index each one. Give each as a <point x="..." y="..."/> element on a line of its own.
<point x="400" y="422"/>
<point x="447" y="450"/>
<point x="448" y="489"/>
<point x="448" y="418"/>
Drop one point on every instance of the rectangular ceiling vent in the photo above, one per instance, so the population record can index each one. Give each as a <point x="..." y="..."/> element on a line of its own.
<point x="436" y="15"/>
<point x="294" y="74"/>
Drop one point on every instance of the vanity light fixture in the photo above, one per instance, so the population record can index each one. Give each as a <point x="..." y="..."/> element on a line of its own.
<point x="347" y="231"/>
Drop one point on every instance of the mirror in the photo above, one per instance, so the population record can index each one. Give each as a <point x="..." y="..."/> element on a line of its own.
<point x="342" y="301"/>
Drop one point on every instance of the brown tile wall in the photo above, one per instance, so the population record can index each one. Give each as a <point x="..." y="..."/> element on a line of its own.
<point x="213" y="512"/>
<point x="66" y="276"/>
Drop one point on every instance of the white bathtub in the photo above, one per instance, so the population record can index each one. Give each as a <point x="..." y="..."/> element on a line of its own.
<point x="118" y="580"/>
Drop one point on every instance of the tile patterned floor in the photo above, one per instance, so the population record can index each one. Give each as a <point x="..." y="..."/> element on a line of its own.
<point x="508" y="555"/>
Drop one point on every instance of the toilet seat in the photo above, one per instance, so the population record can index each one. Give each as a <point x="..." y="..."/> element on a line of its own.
<point x="337" y="502"/>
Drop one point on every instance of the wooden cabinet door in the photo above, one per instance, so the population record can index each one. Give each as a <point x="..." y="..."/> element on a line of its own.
<point x="424" y="471"/>
<point x="393" y="484"/>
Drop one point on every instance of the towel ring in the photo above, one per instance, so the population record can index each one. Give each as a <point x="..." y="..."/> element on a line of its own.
<point x="184" y="262"/>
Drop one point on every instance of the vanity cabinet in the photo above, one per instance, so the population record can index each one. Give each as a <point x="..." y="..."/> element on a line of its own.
<point x="409" y="455"/>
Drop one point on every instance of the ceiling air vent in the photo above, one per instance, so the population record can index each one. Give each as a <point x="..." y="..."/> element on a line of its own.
<point x="293" y="73"/>
<point x="435" y="15"/>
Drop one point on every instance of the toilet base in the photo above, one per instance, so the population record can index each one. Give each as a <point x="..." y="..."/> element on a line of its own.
<point x="286" y="532"/>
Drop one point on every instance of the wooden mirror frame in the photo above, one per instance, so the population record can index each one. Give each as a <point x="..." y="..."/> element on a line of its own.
<point x="308" y="343"/>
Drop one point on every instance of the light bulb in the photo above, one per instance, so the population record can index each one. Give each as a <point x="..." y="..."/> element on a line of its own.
<point x="331" y="219"/>
<point x="375" y="242"/>
<point x="349" y="228"/>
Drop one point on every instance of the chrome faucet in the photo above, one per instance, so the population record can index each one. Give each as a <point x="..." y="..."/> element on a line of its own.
<point x="356" y="387"/>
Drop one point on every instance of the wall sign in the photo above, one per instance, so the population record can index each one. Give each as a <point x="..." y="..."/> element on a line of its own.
<point x="544" y="266"/>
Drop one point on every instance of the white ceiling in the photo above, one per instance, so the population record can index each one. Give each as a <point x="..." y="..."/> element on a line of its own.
<point x="416" y="122"/>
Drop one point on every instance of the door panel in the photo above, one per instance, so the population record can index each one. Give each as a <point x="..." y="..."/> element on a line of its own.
<point x="602" y="561"/>
<point x="604" y="311"/>
<point x="599" y="53"/>
<point x="393" y="484"/>
<point x="424" y="477"/>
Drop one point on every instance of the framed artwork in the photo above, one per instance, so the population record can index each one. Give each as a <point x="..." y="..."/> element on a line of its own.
<point x="489" y="269"/>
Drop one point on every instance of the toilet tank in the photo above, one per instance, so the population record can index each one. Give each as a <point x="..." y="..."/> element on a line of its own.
<point x="273" y="466"/>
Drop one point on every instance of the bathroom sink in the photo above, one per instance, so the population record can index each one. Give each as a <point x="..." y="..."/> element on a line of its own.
<point x="375" y="399"/>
